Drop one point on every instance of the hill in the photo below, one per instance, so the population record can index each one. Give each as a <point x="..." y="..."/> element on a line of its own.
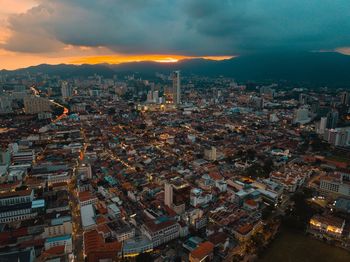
<point x="330" y="69"/>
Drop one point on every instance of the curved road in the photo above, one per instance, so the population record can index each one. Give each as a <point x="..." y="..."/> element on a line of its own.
<point x="65" y="109"/>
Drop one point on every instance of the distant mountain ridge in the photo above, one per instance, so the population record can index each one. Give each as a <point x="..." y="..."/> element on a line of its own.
<point x="331" y="69"/>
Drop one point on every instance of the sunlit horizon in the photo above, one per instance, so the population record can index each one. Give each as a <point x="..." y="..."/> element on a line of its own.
<point x="120" y="59"/>
<point x="27" y="61"/>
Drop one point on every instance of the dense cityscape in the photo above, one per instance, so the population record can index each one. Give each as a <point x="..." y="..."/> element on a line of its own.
<point x="174" y="131"/>
<point x="171" y="168"/>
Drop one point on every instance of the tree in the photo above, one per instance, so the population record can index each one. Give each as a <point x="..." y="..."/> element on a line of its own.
<point x="111" y="111"/>
<point x="266" y="212"/>
<point x="258" y="239"/>
<point x="300" y="216"/>
<point x="177" y="259"/>
<point x="144" y="257"/>
<point x="236" y="258"/>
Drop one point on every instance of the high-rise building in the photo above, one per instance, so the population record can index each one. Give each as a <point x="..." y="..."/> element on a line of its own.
<point x="49" y="91"/>
<point x="332" y="119"/>
<point x="156" y="96"/>
<point x="168" y="195"/>
<point x="267" y="91"/>
<point x="5" y="156"/>
<point x="5" y="105"/>
<point x="210" y="153"/>
<point x="321" y="126"/>
<point x="257" y="102"/>
<point x="303" y="98"/>
<point x="66" y="90"/>
<point x="345" y="98"/>
<point x="315" y="107"/>
<point x="34" y="105"/>
<point x="301" y="116"/>
<point x="153" y="97"/>
<point x="176" y="87"/>
<point x="338" y="136"/>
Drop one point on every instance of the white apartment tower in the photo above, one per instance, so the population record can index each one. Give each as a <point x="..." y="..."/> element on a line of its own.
<point x="321" y="126"/>
<point x="168" y="195"/>
<point x="66" y="90"/>
<point x="176" y="87"/>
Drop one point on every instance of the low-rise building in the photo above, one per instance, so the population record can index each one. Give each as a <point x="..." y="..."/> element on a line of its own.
<point x="329" y="225"/>
<point x="336" y="184"/>
<point x="27" y="255"/>
<point x="64" y="240"/>
<point x="134" y="246"/>
<point x="88" y="217"/>
<point x="204" y="252"/>
<point x="59" y="226"/>
<point x="199" y="198"/>
<point x="245" y="231"/>
<point x="86" y="198"/>
<point x="160" y="232"/>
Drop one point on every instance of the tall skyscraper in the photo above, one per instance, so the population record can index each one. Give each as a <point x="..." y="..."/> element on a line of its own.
<point x="321" y="126"/>
<point x="168" y="194"/>
<point x="303" y="99"/>
<point x="345" y="98"/>
<point x="176" y="87"/>
<point x="332" y="119"/>
<point x="338" y="136"/>
<point x="66" y="90"/>
<point x="301" y="116"/>
<point x="315" y="107"/>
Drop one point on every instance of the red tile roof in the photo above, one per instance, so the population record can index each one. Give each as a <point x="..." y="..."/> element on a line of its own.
<point x="94" y="242"/>
<point x="204" y="249"/>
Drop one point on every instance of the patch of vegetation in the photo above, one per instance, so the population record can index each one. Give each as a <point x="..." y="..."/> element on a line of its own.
<point x="299" y="216"/>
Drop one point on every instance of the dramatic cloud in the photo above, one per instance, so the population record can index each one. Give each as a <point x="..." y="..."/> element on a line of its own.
<point x="184" y="27"/>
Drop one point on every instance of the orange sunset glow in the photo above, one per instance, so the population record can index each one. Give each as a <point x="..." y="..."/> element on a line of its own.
<point x="67" y="54"/>
<point x="115" y="59"/>
<point x="34" y="32"/>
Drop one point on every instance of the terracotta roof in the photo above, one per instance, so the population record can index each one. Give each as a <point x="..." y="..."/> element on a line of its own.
<point x="85" y="195"/>
<point x="154" y="227"/>
<point x="56" y="250"/>
<point x="251" y="202"/>
<point x="9" y="186"/>
<point x="218" y="238"/>
<point x="101" y="220"/>
<point x="20" y="232"/>
<point x="94" y="242"/>
<point x="101" y="209"/>
<point x="103" y="229"/>
<point x="215" y="176"/>
<point x="16" y="193"/>
<point x="59" y="184"/>
<point x="204" y="249"/>
<point x="33" y="242"/>
<point x="244" y="229"/>
<point x="329" y="220"/>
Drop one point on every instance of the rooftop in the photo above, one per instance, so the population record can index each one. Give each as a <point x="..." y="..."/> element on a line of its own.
<point x="203" y="250"/>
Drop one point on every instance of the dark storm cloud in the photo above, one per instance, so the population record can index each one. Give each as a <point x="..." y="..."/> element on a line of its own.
<point x="190" y="27"/>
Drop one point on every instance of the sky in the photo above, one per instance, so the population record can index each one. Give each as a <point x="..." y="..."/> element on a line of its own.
<point x="114" y="31"/>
